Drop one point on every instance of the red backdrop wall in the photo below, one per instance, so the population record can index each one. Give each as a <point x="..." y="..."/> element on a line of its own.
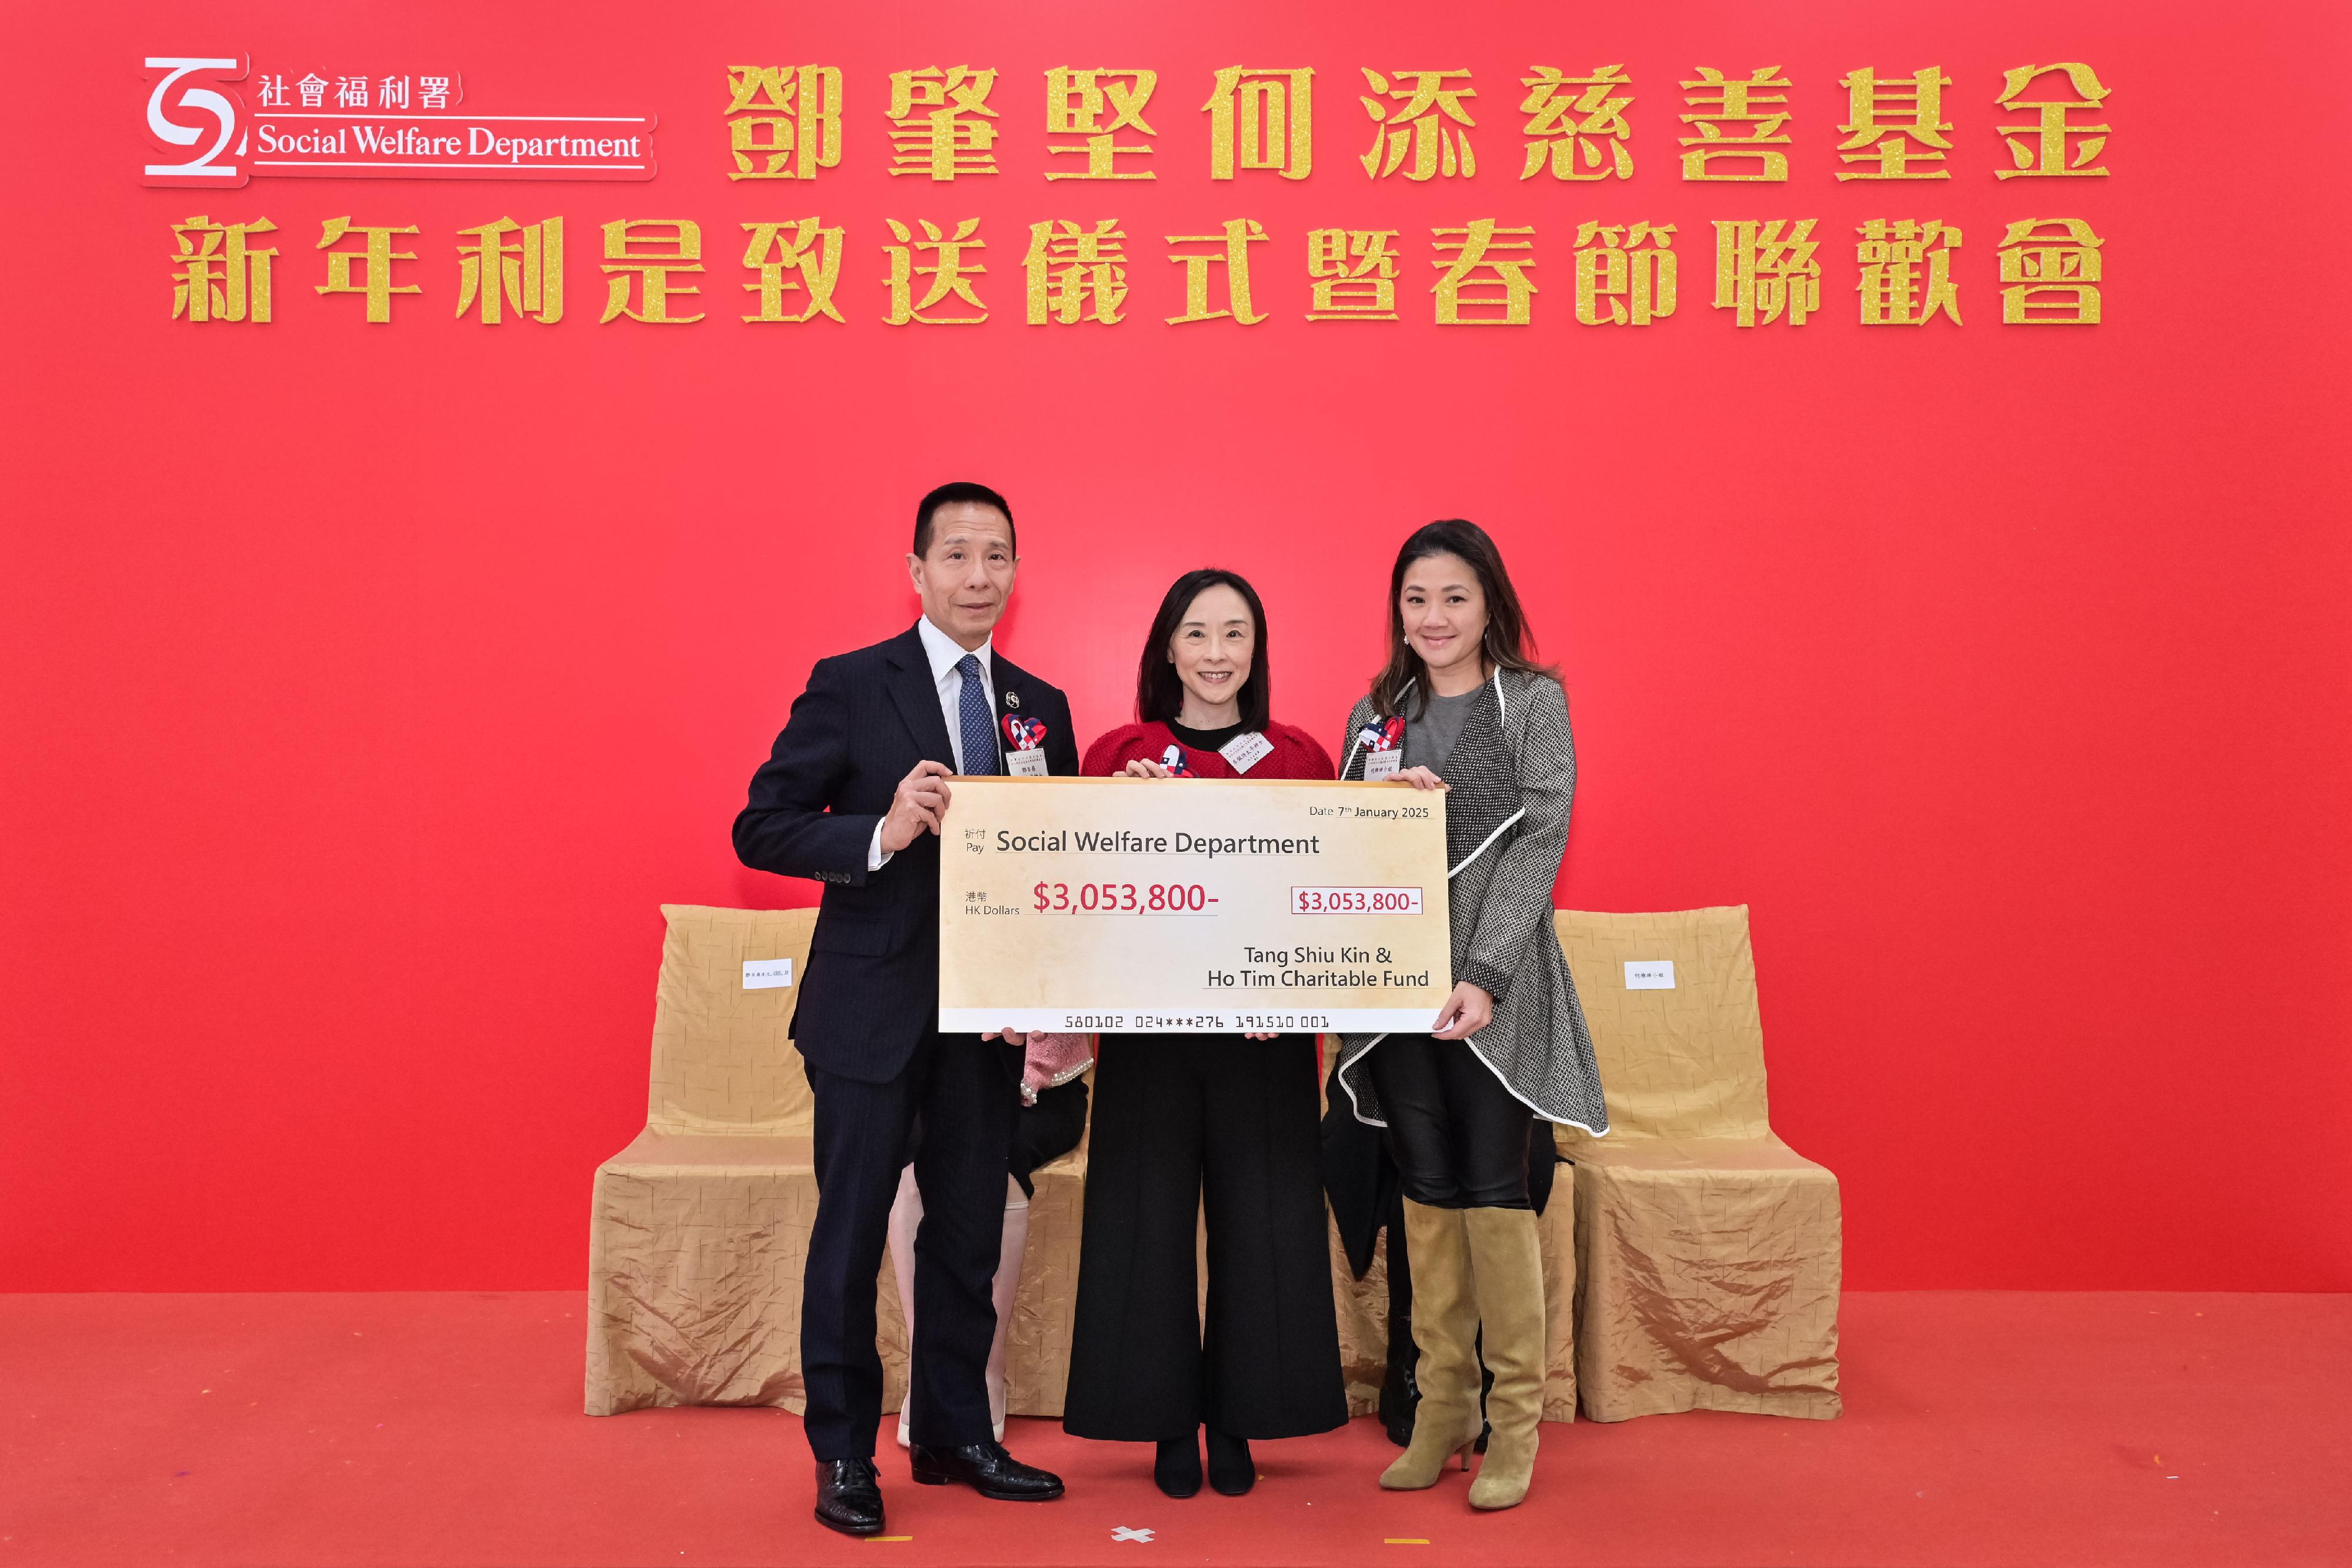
<point x="367" y="687"/>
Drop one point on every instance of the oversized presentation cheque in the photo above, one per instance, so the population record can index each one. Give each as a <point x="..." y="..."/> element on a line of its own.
<point x="1127" y="904"/>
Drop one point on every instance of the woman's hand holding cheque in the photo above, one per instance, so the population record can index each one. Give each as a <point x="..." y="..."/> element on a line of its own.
<point x="1469" y="1009"/>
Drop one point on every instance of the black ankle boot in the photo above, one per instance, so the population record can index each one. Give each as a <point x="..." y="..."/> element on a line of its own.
<point x="1177" y="1470"/>
<point x="1231" y="1470"/>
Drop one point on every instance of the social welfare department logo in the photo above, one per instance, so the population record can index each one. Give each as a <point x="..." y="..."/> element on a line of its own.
<point x="181" y="114"/>
<point x="204" y="130"/>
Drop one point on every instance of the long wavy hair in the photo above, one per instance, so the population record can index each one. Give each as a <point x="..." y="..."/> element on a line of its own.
<point x="1159" y="693"/>
<point x="1506" y="644"/>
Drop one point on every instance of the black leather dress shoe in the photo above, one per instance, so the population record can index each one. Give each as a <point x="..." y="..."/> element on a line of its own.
<point x="848" y="1497"/>
<point x="988" y="1470"/>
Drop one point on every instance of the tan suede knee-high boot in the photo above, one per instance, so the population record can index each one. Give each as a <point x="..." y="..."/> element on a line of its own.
<point x="1444" y="1328"/>
<point x="1506" y="1271"/>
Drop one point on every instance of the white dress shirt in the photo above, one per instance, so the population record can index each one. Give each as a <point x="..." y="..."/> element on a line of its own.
<point x="945" y="653"/>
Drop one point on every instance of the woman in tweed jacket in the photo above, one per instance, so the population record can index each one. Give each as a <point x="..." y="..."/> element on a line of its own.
<point x="1462" y="707"/>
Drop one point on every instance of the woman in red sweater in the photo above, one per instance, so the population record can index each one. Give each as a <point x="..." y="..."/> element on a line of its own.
<point x="1180" y="1119"/>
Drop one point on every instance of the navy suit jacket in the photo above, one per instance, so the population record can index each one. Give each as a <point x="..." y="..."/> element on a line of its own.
<point x="871" y="990"/>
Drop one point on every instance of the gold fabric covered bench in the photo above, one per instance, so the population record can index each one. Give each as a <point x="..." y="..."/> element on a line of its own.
<point x="698" y="1230"/>
<point x="1708" y="1252"/>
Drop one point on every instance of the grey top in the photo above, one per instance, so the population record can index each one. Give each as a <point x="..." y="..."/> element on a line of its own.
<point x="1429" y="736"/>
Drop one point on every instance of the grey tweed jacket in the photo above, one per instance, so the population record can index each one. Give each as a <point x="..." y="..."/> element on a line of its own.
<point x="1512" y="776"/>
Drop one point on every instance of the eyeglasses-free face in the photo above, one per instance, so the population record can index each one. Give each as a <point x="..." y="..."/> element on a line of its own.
<point x="1211" y="650"/>
<point x="965" y="579"/>
<point x="1444" y="611"/>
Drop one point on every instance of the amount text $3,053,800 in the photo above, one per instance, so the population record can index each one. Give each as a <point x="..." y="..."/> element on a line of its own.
<point x="1120" y="898"/>
<point x="1192" y="898"/>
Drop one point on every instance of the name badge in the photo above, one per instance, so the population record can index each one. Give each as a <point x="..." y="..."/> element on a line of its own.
<point x="1650" y="974"/>
<point x="1383" y="744"/>
<point x="1024" y="755"/>
<point x="1245" y="751"/>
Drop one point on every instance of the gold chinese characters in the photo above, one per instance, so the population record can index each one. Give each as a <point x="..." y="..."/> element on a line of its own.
<point x="1080" y="271"/>
<point x="788" y="123"/>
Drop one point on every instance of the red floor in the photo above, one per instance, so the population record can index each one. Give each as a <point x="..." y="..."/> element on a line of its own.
<point x="445" y="1430"/>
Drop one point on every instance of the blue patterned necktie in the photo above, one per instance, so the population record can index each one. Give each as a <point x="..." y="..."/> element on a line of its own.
<point x="973" y="719"/>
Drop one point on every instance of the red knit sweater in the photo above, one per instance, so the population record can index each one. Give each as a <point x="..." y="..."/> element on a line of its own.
<point x="1295" y="754"/>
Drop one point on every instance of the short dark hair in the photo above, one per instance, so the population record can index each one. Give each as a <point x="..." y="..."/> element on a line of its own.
<point x="1159" y="695"/>
<point x="949" y="495"/>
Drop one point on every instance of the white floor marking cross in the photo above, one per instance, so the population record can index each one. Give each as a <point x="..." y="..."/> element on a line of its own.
<point x="1124" y="1533"/>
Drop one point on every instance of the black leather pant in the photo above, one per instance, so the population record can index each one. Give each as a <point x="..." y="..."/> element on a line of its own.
<point x="1458" y="1136"/>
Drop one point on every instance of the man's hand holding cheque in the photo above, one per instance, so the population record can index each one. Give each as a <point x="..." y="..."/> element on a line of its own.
<point x="917" y="806"/>
<point x="920" y="806"/>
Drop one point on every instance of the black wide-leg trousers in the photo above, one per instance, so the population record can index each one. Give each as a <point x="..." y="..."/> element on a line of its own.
<point x="1181" y="1120"/>
<point x="966" y="1090"/>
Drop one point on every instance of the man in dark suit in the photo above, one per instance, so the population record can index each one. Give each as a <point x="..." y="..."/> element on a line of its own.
<point x="853" y="795"/>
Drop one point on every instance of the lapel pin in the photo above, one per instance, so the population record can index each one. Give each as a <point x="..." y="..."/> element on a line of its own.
<point x="1013" y="699"/>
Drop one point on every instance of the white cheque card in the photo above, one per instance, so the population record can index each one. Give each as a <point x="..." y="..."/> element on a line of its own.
<point x="1125" y="905"/>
